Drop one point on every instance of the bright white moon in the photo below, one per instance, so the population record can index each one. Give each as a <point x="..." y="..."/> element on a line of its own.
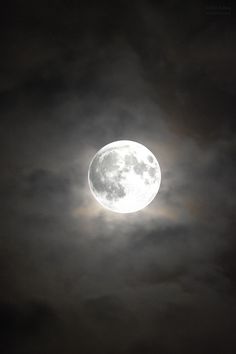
<point x="124" y="176"/>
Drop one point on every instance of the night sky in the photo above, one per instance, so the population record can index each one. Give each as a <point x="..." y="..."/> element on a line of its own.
<point x="76" y="278"/>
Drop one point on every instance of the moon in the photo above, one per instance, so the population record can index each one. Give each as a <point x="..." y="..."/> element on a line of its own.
<point x="124" y="176"/>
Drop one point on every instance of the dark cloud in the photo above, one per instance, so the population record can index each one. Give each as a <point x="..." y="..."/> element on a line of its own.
<point x="27" y="327"/>
<point x="75" y="278"/>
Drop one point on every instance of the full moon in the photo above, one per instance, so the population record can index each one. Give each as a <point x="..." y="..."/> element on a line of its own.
<point x="124" y="176"/>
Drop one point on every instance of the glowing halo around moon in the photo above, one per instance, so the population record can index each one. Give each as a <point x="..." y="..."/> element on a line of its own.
<point x="124" y="176"/>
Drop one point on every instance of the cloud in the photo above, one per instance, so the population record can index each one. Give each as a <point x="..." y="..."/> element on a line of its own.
<point x="160" y="280"/>
<point x="28" y="326"/>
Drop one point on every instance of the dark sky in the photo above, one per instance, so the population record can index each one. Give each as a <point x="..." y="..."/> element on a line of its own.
<point x="76" y="278"/>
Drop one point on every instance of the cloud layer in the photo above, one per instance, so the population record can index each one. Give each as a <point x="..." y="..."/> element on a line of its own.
<point x="78" y="278"/>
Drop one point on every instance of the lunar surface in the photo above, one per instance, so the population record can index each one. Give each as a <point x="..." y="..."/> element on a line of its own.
<point x="124" y="176"/>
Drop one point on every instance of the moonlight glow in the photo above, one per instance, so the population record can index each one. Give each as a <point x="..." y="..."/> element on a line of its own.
<point x="124" y="176"/>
